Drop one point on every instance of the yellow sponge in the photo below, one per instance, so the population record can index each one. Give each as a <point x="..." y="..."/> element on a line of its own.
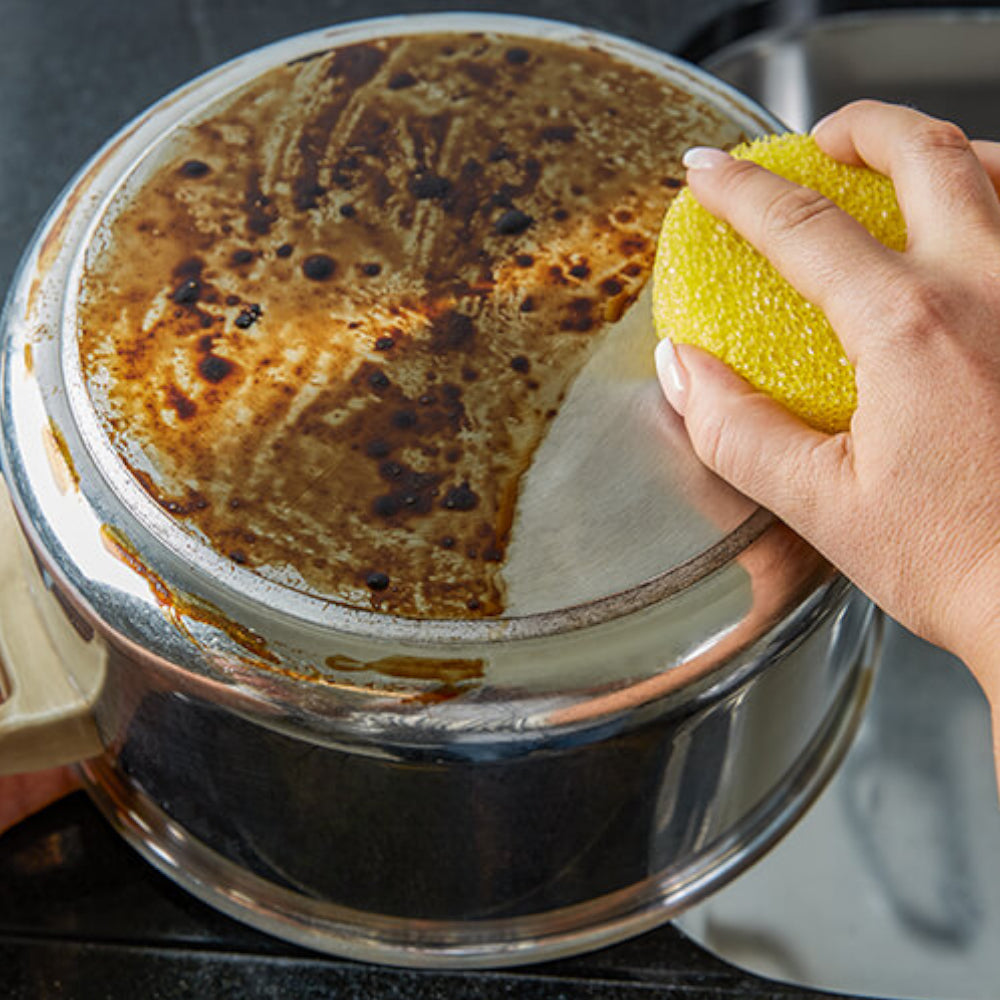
<point x="712" y="289"/>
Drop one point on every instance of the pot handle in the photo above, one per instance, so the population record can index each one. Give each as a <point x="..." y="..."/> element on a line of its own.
<point x="51" y="670"/>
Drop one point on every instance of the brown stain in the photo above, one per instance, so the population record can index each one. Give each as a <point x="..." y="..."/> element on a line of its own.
<point x="414" y="668"/>
<point x="29" y="358"/>
<point x="60" y="460"/>
<point x="339" y="430"/>
<point x="451" y="678"/>
<point x="180" y="608"/>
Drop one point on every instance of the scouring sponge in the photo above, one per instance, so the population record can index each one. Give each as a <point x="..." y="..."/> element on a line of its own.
<point x="714" y="290"/>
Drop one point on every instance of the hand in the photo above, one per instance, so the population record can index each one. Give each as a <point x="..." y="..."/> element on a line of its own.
<point x="23" y="794"/>
<point x="907" y="502"/>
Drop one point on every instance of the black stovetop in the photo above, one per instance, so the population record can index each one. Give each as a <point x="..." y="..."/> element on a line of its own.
<point x="80" y="914"/>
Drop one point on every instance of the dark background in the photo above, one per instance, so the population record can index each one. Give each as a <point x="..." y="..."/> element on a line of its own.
<point x="80" y="915"/>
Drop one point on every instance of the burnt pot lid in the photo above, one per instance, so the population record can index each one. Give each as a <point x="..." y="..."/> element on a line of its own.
<point x="352" y="334"/>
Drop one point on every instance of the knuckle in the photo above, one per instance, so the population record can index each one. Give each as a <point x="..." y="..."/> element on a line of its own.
<point x="917" y="309"/>
<point x="792" y="211"/>
<point x="937" y="137"/>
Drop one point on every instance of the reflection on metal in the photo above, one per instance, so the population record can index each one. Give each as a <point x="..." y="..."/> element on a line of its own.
<point x="891" y="885"/>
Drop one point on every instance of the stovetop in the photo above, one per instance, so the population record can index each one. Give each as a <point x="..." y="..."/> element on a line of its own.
<point x="82" y="916"/>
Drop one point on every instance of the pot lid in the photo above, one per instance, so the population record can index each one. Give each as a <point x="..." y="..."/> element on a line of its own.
<point x="350" y="338"/>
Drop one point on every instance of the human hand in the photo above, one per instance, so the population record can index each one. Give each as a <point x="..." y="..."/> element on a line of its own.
<point x="23" y="794"/>
<point x="906" y="502"/>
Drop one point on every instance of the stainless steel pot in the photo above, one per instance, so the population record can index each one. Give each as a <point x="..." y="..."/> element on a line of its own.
<point x="673" y="681"/>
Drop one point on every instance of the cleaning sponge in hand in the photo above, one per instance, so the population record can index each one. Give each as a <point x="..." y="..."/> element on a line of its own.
<point x="712" y="289"/>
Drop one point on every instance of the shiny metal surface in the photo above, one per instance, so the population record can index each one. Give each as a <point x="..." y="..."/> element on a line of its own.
<point x="891" y="885"/>
<point x="546" y="781"/>
<point x="482" y="855"/>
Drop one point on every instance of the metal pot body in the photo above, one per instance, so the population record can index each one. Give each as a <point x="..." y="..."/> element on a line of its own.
<point x="490" y="853"/>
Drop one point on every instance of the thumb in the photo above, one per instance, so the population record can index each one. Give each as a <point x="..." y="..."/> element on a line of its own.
<point x="756" y="444"/>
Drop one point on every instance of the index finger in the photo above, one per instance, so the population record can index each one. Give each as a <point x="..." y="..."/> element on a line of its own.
<point x="941" y="185"/>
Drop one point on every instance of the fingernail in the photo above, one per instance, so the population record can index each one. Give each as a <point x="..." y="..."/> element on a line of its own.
<point x="673" y="378"/>
<point x="820" y="124"/>
<point x="705" y="158"/>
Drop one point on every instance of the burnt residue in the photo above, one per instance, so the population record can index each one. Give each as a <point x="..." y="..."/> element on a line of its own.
<point x="341" y="343"/>
<point x="60" y="458"/>
<point x="184" y="609"/>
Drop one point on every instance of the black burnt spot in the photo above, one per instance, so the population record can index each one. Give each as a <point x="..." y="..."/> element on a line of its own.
<point x="412" y="493"/>
<point x="180" y="404"/>
<point x="356" y="64"/>
<point x="558" y="133"/>
<point x="623" y="215"/>
<point x="348" y="211"/>
<point x="371" y="270"/>
<point x="193" y="503"/>
<point x="214" y="369"/>
<point x="672" y="182"/>
<point x="400" y="81"/>
<point x="524" y="260"/>
<point x="633" y="244"/>
<point x="385" y="344"/>
<point x="498" y="153"/>
<point x="285" y="250"/>
<point x="427" y="185"/>
<point x="378" y="448"/>
<point x="378" y="380"/>
<point x="560" y="214"/>
<point x="377" y="581"/>
<point x="580" y="271"/>
<point x="452" y="331"/>
<point x="611" y="286"/>
<point x="242" y="256"/>
<point x="404" y="419"/>
<point x="517" y="56"/>
<point x="238" y="556"/>
<point x="520" y="364"/>
<point x="512" y="222"/>
<point x="248" y="316"/>
<point x="318" y="267"/>
<point x="527" y="304"/>
<point x="461" y="497"/>
<point x="194" y="169"/>
<point x="187" y="292"/>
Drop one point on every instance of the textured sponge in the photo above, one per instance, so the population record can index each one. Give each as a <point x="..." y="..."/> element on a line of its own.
<point x="712" y="289"/>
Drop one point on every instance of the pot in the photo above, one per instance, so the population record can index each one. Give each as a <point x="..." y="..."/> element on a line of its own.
<point x="639" y="684"/>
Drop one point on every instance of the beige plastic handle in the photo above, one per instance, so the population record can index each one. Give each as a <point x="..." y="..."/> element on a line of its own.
<point x="50" y="675"/>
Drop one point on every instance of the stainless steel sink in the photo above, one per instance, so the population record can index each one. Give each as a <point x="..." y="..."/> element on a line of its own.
<point x="891" y="885"/>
